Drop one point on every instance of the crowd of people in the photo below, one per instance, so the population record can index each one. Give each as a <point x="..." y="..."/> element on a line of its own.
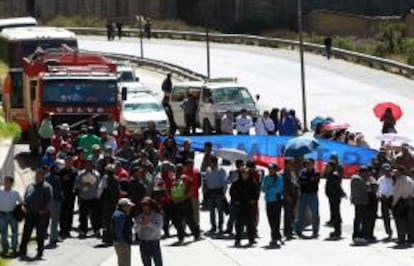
<point x="135" y="178"/>
<point x="136" y="186"/>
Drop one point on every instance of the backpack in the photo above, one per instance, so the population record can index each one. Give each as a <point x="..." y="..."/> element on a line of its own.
<point x="178" y="190"/>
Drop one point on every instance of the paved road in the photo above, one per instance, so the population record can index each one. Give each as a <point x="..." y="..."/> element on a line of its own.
<point x="341" y="89"/>
<point x="273" y="73"/>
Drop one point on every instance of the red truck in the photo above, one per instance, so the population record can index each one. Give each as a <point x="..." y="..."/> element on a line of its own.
<point x="71" y="86"/>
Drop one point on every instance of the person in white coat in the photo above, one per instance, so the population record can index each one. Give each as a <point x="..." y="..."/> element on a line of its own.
<point x="265" y="125"/>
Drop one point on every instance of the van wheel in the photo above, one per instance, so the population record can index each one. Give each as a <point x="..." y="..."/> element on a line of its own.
<point x="207" y="127"/>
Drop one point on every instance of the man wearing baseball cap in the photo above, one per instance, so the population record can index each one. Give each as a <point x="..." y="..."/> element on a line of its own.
<point x="121" y="226"/>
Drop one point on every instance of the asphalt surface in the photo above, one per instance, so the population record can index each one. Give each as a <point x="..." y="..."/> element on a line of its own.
<point x="343" y="90"/>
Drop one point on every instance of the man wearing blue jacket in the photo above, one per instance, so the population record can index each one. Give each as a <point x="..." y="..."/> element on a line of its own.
<point x="272" y="186"/>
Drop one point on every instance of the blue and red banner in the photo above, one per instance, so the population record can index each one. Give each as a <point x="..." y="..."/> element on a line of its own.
<point x="265" y="149"/>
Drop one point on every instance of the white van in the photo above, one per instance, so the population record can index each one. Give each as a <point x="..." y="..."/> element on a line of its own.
<point x="214" y="97"/>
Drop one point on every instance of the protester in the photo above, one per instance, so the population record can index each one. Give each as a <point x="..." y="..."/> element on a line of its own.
<point x="181" y="196"/>
<point x="55" y="204"/>
<point x="167" y="85"/>
<point x="148" y="27"/>
<point x="309" y="182"/>
<point x="68" y="177"/>
<point x="244" y="193"/>
<point x="290" y="197"/>
<point x="121" y="224"/>
<point x="243" y="123"/>
<point x="328" y="46"/>
<point x="194" y="176"/>
<point x="360" y="199"/>
<point x="36" y="202"/>
<point x="216" y="186"/>
<point x="190" y="106"/>
<point x="385" y="194"/>
<point x="388" y="121"/>
<point x="335" y="193"/>
<point x="9" y="200"/>
<point x="119" y="29"/>
<point x="272" y="186"/>
<point x="234" y="175"/>
<point x="108" y="192"/>
<point x="150" y="224"/>
<point x="46" y="132"/>
<point x="87" y="189"/>
<point x="227" y="123"/>
<point x="265" y="125"/>
<point x="402" y="203"/>
<point x="287" y="124"/>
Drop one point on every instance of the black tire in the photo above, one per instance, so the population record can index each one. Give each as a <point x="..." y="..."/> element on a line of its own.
<point x="207" y="129"/>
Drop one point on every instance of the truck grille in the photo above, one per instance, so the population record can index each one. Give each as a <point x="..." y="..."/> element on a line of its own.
<point x="72" y="119"/>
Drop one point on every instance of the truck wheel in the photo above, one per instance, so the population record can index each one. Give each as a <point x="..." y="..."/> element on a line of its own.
<point x="207" y="127"/>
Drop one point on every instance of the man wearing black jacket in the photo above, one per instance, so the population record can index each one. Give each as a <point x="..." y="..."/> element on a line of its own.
<point x="67" y="179"/>
<point x="109" y="190"/>
<point x="290" y="197"/>
<point x="308" y="182"/>
<point x="137" y="188"/>
<point x="36" y="202"/>
<point x="244" y="193"/>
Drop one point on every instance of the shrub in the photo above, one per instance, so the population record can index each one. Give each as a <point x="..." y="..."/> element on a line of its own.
<point x="9" y="130"/>
<point x="76" y="21"/>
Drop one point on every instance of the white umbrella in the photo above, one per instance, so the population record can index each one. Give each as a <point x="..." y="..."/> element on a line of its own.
<point x="232" y="154"/>
<point x="393" y="138"/>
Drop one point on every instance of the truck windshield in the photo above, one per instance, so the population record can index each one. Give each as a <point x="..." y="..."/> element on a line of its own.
<point x="79" y="92"/>
<point x="231" y="95"/>
<point x="126" y="76"/>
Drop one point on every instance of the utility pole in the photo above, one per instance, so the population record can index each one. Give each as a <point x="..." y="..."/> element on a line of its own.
<point x="302" y="65"/>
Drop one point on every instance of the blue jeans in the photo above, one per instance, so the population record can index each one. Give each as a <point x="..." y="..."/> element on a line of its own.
<point x="308" y="200"/>
<point x="150" y="250"/>
<point x="55" y="209"/>
<point x="216" y="202"/>
<point x="7" y="219"/>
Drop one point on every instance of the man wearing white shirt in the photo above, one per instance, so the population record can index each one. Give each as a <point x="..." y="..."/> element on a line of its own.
<point x="264" y="125"/>
<point x="9" y="198"/>
<point x="385" y="193"/>
<point x="243" y="123"/>
<point x="226" y="124"/>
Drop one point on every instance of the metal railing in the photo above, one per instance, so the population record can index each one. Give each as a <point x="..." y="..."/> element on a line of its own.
<point x="176" y="70"/>
<point x="370" y="60"/>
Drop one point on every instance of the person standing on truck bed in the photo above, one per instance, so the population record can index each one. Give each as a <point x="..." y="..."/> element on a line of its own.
<point x="167" y="85"/>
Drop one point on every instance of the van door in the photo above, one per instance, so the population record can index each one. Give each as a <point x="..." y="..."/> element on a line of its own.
<point x="178" y="95"/>
<point x="205" y="107"/>
<point x="196" y="92"/>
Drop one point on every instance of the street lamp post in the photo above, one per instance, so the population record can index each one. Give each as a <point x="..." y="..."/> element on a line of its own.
<point x="302" y="65"/>
<point x="140" y="18"/>
<point x="208" y="49"/>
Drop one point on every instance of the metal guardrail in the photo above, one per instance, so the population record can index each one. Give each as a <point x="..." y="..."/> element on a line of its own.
<point x="178" y="71"/>
<point x="373" y="61"/>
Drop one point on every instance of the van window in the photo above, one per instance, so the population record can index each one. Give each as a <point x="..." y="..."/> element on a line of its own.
<point x="179" y="94"/>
